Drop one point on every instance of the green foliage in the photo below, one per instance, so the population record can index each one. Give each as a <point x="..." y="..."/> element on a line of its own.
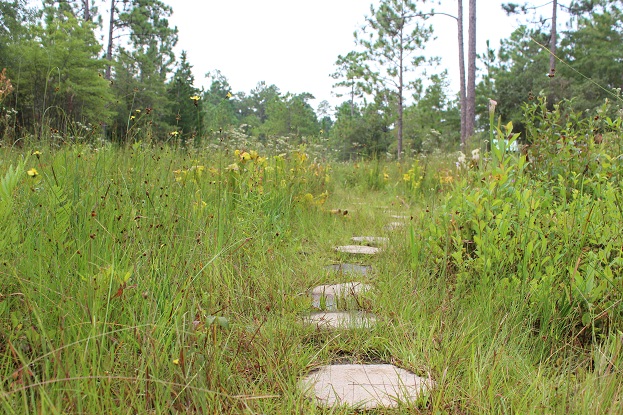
<point x="360" y="132"/>
<point x="60" y="80"/>
<point x="187" y="103"/>
<point x="353" y="74"/>
<point x="8" y="226"/>
<point x="218" y="103"/>
<point x="571" y="149"/>
<point x="393" y="34"/>
<point x="519" y="74"/>
<point x="588" y="73"/>
<point x="290" y="115"/>
<point x="544" y="226"/>
<point x="143" y="67"/>
<point x="172" y="278"/>
<point x="596" y="65"/>
<point x="433" y="123"/>
<point x="15" y="18"/>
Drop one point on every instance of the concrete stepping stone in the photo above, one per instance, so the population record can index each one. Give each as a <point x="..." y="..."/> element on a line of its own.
<point x="392" y="226"/>
<point x="349" y="269"/>
<point x="341" y="319"/>
<point x="328" y="296"/>
<point x="371" y="240"/>
<point x="402" y="217"/>
<point x="364" y="386"/>
<point x="358" y="249"/>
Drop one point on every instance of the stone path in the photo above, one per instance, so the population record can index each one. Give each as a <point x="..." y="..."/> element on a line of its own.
<point x="327" y="296"/>
<point x="371" y="240"/>
<point x="341" y="320"/>
<point x="364" y="386"/>
<point x="400" y="217"/>
<point x="361" y="386"/>
<point x="392" y="226"/>
<point x="358" y="249"/>
<point x="349" y="269"/>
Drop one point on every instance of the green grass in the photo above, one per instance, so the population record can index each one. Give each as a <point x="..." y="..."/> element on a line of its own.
<point x="160" y="280"/>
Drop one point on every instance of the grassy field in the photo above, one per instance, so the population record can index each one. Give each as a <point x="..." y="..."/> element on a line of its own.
<point x="156" y="279"/>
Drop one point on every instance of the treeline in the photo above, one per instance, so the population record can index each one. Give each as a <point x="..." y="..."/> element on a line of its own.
<point x="61" y="82"/>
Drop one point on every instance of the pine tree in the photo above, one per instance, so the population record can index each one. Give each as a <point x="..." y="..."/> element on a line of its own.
<point x="186" y="101"/>
<point x="391" y="37"/>
<point x="143" y="66"/>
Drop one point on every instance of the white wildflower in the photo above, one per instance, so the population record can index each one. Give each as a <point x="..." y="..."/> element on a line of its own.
<point x="476" y="155"/>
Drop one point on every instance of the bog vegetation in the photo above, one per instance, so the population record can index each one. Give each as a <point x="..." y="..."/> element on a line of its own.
<point x="157" y="241"/>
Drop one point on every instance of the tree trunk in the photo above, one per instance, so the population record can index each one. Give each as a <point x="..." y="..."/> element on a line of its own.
<point x="110" y="33"/>
<point x="552" y="43"/>
<point x="462" y="97"/>
<point x="471" y="72"/>
<point x="87" y="11"/>
<point x="352" y="99"/>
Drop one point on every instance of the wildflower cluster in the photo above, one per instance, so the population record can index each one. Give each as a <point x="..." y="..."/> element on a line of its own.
<point x="413" y="177"/>
<point x="241" y="137"/>
<point x="6" y="114"/>
<point x="445" y="177"/>
<point x="252" y="155"/>
<point x="462" y="163"/>
<point x="193" y="173"/>
<point x="5" y="85"/>
<point x="251" y="175"/>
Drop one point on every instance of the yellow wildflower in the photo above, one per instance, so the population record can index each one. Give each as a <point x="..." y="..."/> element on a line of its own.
<point x="32" y="172"/>
<point x="446" y="178"/>
<point x="301" y="156"/>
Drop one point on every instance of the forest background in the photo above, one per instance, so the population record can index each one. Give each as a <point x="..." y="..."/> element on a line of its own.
<point x="60" y="82"/>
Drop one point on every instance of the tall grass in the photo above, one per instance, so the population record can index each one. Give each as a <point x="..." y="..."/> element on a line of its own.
<point x="154" y="279"/>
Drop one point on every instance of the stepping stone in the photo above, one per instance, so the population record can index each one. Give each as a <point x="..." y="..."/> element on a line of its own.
<point x="392" y="226"/>
<point x="349" y="269"/>
<point x="364" y="386"/>
<point x="358" y="249"/>
<point x="403" y="217"/>
<point x="331" y="294"/>
<point x="372" y="240"/>
<point x="341" y="319"/>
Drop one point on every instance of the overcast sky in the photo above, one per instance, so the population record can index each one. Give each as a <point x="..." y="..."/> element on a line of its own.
<point x="294" y="43"/>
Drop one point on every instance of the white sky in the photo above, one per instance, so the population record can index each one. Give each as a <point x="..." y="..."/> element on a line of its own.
<point x="294" y="43"/>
